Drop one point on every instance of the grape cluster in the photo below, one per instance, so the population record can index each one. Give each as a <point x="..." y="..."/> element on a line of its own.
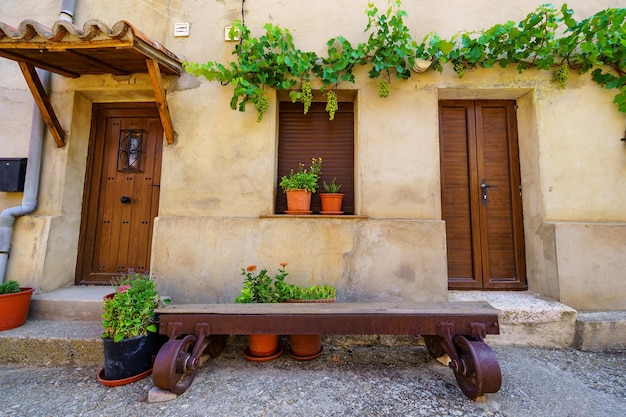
<point x="307" y="96"/>
<point x="459" y="69"/>
<point x="383" y="88"/>
<point x="261" y="105"/>
<point x="560" y="75"/>
<point x="331" y="104"/>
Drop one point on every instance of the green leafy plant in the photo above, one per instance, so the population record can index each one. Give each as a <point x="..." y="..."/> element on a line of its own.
<point x="259" y="287"/>
<point x="303" y="179"/>
<point x="9" y="287"/>
<point x="269" y="60"/>
<point x="130" y="312"/>
<point x="314" y="292"/>
<point x="547" y="39"/>
<point x="332" y="187"/>
<point x="390" y="48"/>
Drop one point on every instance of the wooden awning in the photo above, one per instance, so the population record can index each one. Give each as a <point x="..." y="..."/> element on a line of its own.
<point x="95" y="49"/>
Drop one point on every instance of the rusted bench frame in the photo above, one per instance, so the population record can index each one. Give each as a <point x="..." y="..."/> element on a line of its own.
<point x="453" y="328"/>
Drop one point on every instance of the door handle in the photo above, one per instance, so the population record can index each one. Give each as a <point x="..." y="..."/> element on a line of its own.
<point x="125" y="200"/>
<point x="483" y="189"/>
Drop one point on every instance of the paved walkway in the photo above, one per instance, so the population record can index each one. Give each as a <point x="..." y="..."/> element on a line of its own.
<point x="361" y="381"/>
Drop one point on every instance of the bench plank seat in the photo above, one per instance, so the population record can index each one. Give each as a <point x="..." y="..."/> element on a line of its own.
<point x="331" y="318"/>
<point x="453" y="328"/>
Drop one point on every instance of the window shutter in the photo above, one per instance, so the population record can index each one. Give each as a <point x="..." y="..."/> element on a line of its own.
<point x="312" y="135"/>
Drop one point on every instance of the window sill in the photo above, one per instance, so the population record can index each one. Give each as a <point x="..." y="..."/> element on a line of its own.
<point x="314" y="216"/>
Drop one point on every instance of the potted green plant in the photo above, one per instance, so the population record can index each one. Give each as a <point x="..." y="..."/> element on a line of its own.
<point x="260" y="287"/>
<point x="306" y="347"/>
<point x="129" y="336"/>
<point x="14" y="304"/>
<point x="332" y="198"/>
<point x="299" y="185"/>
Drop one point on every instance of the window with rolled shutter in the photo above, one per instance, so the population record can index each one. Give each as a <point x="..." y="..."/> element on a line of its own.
<point x="312" y="135"/>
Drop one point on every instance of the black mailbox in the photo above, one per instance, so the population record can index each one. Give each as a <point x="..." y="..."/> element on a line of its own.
<point x="12" y="174"/>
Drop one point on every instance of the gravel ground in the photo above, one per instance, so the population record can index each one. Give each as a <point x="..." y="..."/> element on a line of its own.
<point x="359" y="381"/>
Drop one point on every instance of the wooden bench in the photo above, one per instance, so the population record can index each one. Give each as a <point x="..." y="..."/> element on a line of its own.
<point x="453" y="328"/>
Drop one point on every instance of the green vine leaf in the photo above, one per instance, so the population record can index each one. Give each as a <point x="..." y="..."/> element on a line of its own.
<point x="546" y="39"/>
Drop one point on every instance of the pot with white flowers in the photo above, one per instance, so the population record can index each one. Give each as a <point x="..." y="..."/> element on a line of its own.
<point x="300" y="185"/>
<point x="130" y="340"/>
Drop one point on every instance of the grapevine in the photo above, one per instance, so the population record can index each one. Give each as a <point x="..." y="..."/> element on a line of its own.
<point x="307" y="96"/>
<point x="331" y="105"/>
<point x="459" y="69"/>
<point x="560" y="75"/>
<point x="261" y="106"/>
<point x="383" y="88"/>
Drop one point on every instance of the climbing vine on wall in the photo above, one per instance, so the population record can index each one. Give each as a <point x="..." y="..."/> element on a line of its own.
<point x="547" y="39"/>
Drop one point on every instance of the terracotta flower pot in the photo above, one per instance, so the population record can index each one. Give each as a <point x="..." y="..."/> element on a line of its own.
<point x="298" y="202"/>
<point x="306" y="347"/>
<point x="263" y="345"/>
<point x="14" y="308"/>
<point x="331" y="203"/>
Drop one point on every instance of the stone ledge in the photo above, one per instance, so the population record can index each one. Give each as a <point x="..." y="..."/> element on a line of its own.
<point x="52" y="343"/>
<point x="526" y="318"/>
<point x="601" y="330"/>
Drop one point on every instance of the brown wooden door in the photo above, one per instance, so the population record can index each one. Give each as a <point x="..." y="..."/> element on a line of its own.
<point x="481" y="195"/>
<point x="121" y="191"/>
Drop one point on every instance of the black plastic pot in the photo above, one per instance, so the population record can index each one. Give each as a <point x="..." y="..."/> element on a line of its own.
<point x="128" y="357"/>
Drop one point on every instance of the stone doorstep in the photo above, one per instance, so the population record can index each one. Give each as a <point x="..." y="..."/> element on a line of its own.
<point x="526" y="319"/>
<point x="77" y="303"/>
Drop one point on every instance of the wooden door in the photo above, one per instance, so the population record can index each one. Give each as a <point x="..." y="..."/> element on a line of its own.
<point x="121" y="191"/>
<point x="481" y="195"/>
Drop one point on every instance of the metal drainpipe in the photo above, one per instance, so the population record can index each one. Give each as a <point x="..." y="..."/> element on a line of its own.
<point x="33" y="169"/>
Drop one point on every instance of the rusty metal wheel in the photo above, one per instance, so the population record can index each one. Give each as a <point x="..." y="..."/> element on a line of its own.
<point x="174" y="367"/>
<point x="477" y="370"/>
<point x="434" y="346"/>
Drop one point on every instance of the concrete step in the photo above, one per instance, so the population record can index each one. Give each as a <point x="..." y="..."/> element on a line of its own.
<point x="82" y="303"/>
<point x="53" y="343"/>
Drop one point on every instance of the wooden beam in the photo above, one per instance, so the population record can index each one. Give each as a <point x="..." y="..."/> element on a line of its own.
<point x="159" y="95"/>
<point x="43" y="102"/>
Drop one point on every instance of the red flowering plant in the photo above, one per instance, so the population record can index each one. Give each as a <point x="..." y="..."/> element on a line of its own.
<point x="130" y="311"/>
<point x="259" y="287"/>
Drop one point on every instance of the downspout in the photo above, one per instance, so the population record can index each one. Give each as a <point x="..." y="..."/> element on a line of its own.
<point x="33" y="168"/>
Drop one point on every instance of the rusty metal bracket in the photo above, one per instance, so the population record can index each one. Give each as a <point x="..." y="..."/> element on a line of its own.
<point x="174" y="329"/>
<point x="445" y="330"/>
<point x="479" y="331"/>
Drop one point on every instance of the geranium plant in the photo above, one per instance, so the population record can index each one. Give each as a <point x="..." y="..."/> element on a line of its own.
<point x="130" y="311"/>
<point x="259" y="287"/>
<point x="303" y="179"/>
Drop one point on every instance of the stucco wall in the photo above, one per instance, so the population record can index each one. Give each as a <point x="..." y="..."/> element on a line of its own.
<point x="369" y="259"/>
<point x="593" y="279"/>
<point x="220" y="175"/>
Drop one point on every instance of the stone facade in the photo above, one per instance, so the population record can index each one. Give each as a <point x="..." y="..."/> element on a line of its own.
<point x="219" y="178"/>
